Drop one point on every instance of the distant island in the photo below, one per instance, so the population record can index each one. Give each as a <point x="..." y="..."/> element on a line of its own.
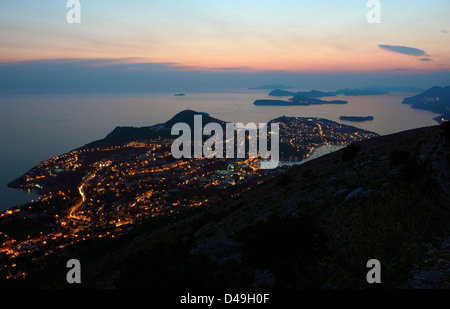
<point x="179" y="94"/>
<point x="298" y="100"/>
<point x="435" y="99"/>
<point x="356" y="118"/>
<point x="357" y="92"/>
<point x="320" y="94"/>
<point x="308" y="94"/>
<point x="305" y="98"/>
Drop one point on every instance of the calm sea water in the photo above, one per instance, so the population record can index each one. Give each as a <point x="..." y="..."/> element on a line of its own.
<point x="36" y="128"/>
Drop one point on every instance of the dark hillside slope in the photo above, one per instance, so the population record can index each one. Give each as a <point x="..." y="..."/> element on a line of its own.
<point x="315" y="226"/>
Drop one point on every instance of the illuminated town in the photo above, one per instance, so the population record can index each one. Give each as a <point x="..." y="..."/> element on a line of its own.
<point x="106" y="191"/>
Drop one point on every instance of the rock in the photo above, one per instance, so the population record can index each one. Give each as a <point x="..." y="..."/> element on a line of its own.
<point x="384" y="158"/>
<point x="393" y="173"/>
<point x="385" y="185"/>
<point x="332" y="180"/>
<point x="349" y="173"/>
<point x="263" y="278"/>
<point x="340" y="194"/>
<point x="443" y="264"/>
<point x="354" y="193"/>
<point x="423" y="157"/>
<point x="446" y="246"/>
<point x="433" y="251"/>
<point x="221" y="250"/>
<point x="327" y="286"/>
<point x="358" y="193"/>
<point x="434" y="277"/>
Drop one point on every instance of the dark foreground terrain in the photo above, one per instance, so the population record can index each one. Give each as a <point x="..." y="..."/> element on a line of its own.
<point x="314" y="226"/>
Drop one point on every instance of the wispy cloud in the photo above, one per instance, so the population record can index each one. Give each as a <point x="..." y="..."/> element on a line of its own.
<point x="400" y="70"/>
<point x="444" y="31"/>
<point x="425" y="59"/>
<point x="130" y="75"/>
<point x="121" y="64"/>
<point x="242" y="68"/>
<point x="405" y="50"/>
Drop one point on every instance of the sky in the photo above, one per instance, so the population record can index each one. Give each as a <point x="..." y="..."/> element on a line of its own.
<point x="245" y="41"/>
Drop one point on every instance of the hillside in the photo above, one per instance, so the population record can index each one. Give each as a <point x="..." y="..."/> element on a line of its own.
<point x="315" y="226"/>
<point x="122" y="135"/>
<point x="298" y="100"/>
<point x="320" y="94"/>
<point x="435" y="99"/>
<point x="300" y="128"/>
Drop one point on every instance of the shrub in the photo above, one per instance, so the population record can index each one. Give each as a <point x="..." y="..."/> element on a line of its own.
<point x="446" y="127"/>
<point x="286" y="179"/>
<point x="400" y="157"/>
<point x="350" y="152"/>
<point x="288" y="246"/>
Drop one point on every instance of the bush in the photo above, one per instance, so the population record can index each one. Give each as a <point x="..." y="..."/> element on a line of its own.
<point x="400" y="157"/>
<point x="446" y="127"/>
<point x="350" y="152"/>
<point x="288" y="246"/>
<point x="286" y="179"/>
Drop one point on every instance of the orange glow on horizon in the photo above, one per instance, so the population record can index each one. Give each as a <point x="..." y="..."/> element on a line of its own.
<point x="320" y="62"/>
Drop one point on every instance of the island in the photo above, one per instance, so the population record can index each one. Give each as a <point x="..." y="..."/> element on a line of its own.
<point x="320" y="94"/>
<point x="356" y="118"/>
<point x="358" y="92"/>
<point x="298" y="100"/>
<point x="308" y="94"/>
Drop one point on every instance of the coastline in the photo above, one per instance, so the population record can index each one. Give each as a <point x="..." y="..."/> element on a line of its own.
<point x="75" y="128"/>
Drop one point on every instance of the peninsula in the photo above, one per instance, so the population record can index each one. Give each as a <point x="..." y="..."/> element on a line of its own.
<point x="435" y="99"/>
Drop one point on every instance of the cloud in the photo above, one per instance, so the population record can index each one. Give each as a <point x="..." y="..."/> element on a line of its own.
<point x="119" y="64"/>
<point x="425" y="59"/>
<point x="130" y="76"/>
<point x="444" y="31"/>
<point x="405" y="50"/>
<point x="400" y="70"/>
<point x="242" y="68"/>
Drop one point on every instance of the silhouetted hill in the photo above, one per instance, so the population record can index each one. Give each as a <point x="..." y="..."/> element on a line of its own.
<point x="357" y="92"/>
<point x="308" y="94"/>
<point x="435" y="99"/>
<point x="187" y="116"/>
<point x="122" y="135"/>
<point x="332" y="131"/>
<point x="320" y="94"/>
<point x="298" y="100"/>
<point x="281" y="93"/>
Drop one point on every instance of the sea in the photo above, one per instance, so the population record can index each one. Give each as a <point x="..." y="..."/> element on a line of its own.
<point x="34" y="128"/>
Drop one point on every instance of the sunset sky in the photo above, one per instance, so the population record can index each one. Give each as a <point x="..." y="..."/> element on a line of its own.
<point x="321" y="36"/>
